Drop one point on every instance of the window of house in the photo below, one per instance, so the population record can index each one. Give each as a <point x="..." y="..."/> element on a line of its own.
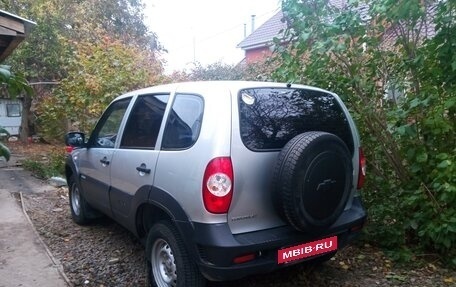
<point x="143" y="125"/>
<point x="184" y="122"/>
<point x="13" y="110"/>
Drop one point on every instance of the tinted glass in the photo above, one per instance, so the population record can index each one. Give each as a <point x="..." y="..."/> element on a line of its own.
<point x="184" y="122"/>
<point x="144" y="123"/>
<point x="270" y="117"/>
<point x="105" y="134"/>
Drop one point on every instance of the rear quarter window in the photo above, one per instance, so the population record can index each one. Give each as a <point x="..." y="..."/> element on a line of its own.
<point x="184" y="122"/>
<point x="270" y="117"/>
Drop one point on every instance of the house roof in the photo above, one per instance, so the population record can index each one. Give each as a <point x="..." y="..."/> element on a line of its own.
<point x="274" y="27"/>
<point x="265" y="33"/>
<point x="13" y="29"/>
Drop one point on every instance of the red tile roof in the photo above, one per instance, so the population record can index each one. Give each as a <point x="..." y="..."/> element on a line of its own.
<point x="274" y="27"/>
<point x="264" y="35"/>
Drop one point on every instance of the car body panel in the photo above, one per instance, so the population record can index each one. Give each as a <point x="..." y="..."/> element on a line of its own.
<point x="180" y="171"/>
<point x="252" y="207"/>
<point x="126" y="180"/>
<point x="95" y="176"/>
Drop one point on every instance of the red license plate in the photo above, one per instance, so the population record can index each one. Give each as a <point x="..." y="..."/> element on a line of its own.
<point x="307" y="250"/>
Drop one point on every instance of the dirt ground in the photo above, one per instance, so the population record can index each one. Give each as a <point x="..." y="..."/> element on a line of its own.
<point x="32" y="150"/>
<point x="105" y="254"/>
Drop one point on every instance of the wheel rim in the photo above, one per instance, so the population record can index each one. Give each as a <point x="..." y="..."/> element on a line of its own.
<point x="75" y="200"/>
<point x="163" y="264"/>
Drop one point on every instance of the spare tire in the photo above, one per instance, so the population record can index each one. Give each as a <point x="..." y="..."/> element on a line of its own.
<point x="312" y="180"/>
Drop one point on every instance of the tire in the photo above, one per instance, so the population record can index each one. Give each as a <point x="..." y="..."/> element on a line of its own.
<point x="312" y="180"/>
<point x="167" y="259"/>
<point x="81" y="212"/>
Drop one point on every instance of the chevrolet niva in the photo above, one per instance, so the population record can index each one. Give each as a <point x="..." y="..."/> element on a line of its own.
<point x="222" y="179"/>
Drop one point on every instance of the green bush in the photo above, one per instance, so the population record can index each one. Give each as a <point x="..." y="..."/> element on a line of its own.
<point x="4" y="150"/>
<point x="409" y="137"/>
<point x="48" y="166"/>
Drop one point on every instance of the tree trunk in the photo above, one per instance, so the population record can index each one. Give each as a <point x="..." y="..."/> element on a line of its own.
<point x="25" y="120"/>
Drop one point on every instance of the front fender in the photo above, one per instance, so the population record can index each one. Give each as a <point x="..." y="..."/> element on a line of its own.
<point x="71" y="166"/>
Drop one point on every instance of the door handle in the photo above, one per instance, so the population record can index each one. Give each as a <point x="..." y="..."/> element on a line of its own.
<point x="104" y="161"/>
<point x="143" y="168"/>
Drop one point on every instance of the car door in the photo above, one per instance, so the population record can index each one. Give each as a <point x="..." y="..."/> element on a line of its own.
<point x="133" y="164"/>
<point x="96" y="161"/>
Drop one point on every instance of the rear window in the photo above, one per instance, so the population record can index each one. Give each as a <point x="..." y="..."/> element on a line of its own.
<point x="270" y="117"/>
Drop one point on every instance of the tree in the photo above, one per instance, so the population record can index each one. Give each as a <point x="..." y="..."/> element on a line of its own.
<point x="215" y="71"/>
<point x="62" y="28"/>
<point x="259" y="71"/>
<point x="121" y="19"/>
<point x="15" y="85"/>
<point x="99" y="72"/>
<point x="365" y="50"/>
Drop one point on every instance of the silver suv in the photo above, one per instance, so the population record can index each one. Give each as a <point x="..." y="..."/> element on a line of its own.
<point x="224" y="179"/>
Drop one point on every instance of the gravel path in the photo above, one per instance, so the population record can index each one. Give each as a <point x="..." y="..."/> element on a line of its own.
<point x="105" y="254"/>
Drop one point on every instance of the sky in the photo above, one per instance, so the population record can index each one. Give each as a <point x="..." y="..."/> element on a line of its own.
<point x="204" y="31"/>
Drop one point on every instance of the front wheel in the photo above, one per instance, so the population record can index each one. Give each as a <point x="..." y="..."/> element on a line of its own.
<point x="80" y="209"/>
<point x="168" y="261"/>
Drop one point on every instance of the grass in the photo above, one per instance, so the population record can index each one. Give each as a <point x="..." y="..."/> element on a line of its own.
<point x="49" y="165"/>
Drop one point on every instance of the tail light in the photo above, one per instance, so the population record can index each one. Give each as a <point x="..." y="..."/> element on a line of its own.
<point x="69" y="149"/>
<point x="218" y="185"/>
<point x="362" y="169"/>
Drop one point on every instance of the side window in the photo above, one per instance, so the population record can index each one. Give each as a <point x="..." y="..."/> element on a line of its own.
<point x="184" y="122"/>
<point x="13" y="110"/>
<point x="143" y="125"/>
<point x="105" y="133"/>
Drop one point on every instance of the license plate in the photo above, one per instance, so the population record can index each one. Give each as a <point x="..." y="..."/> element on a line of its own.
<point x="307" y="250"/>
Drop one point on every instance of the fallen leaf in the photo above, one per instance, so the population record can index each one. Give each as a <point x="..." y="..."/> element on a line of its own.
<point x="343" y="265"/>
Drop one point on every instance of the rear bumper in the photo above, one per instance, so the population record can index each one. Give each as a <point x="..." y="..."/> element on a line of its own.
<point x="215" y="247"/>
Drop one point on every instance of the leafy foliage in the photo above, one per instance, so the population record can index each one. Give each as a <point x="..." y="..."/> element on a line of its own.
<point x="121" y="19"/>
<point x="397" y="77"/>
<point x="259" y="71"/>
<point x="90" y="50"/>
<point x="214" y="72"/>
<point x="62" y="24"/>
<point x="98" y="73"/>
<point x="4" y="150"/>
<point x="43" y="54"/>
<point x="52" y="165"/>
<point x="15" y="83"/>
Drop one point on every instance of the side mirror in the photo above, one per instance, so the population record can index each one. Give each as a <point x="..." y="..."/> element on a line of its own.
<point x="75" y="139"/>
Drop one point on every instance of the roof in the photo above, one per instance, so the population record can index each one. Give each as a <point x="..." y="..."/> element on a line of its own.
<point x="274" y="27"/>
<point x="203" y="86"/>
<point x="13" y="30"/>
<point x="263" y="36"/>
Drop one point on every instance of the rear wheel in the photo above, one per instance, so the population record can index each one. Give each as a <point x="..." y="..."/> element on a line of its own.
<point x="168" y="261"/>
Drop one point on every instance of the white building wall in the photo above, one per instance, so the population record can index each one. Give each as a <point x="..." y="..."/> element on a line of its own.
<point x="10" y="115"/>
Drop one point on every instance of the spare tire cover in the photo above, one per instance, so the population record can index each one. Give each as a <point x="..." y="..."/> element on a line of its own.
<point x="312" y="180"/>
